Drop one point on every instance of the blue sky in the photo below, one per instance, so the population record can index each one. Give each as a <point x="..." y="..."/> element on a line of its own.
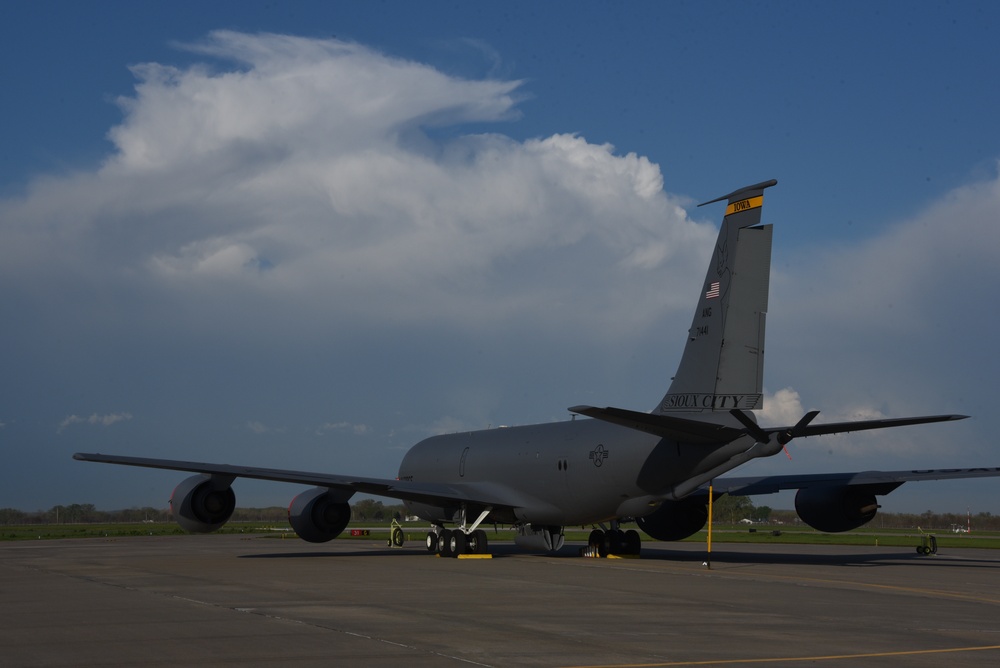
<point x="310" y="235"/>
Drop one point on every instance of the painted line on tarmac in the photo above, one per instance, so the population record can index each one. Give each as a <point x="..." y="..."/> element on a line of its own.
<point x="755" y="575"/>
<point x="263" y="614"/>
<point x="930" y="593"/>
<point x="798" y="659"/>
<point x="326" y="627"/>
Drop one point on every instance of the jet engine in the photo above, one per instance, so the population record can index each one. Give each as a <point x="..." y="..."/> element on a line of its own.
<point x="319" y="515"/>
<point x="836" y="508"/>
<point x="201" y="504"/>
<point x="675" y="520"/>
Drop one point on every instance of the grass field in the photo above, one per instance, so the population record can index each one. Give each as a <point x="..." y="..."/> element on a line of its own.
<point x="775" y="535"/>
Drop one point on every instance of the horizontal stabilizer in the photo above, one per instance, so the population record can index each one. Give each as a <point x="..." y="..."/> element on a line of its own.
<point x="665" y="426"/>
<point x="864" y="425"/>
<point x="700" y="432"/>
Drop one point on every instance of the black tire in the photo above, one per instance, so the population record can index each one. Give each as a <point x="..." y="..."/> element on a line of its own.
<point x="595" y="539"/>
<point x="445" y="543"/>
<point x="478" y="543"/>
<point x="457" y="543"/>
<point x="616" y="541"/>
<point x="633" y="542"/>
<point x="397" y="537"/>
<point x="432" y="541"/>
<point x="604" y="547"/>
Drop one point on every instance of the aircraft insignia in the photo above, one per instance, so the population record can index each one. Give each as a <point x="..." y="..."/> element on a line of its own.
<point x="599" y="454"/>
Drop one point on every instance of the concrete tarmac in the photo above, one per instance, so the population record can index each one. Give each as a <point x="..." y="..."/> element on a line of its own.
<point x="261" y="600"/>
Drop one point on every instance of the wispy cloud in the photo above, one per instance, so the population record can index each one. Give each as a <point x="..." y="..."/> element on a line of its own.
<point x="257" y="427"/>
<point x="356" y="429"/>
<point x="94" y="419"/>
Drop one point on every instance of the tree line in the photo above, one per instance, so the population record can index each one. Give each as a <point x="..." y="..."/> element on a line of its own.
<point x="732" y="509"/>
<point x="87" y="513"/>
<point x="726" y="510"/>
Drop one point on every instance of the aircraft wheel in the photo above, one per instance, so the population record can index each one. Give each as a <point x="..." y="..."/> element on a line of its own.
<point x="604" y="546"/>
<point x="478" y="543"/>
<point x="595" y="539"/>
<point x="445" y="542"/>
<point x="615" y="541"/>
<point x="432" y="541"/>
<point x="633" y="542"/>
<point x="457" y="543"/>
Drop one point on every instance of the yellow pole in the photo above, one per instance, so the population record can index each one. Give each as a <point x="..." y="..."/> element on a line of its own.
<point x="708" y="562"/>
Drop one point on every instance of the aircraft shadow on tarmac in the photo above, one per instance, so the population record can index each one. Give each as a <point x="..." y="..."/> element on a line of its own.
<point x="895" y="557"/>
<point x="862" y="558"/>
<point x="373" y="553"/>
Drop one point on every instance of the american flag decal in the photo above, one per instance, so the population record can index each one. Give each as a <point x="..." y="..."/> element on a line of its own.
<point x="713" y="291"/>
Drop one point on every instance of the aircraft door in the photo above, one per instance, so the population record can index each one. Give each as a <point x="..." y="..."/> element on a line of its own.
<point x="461" y="462"/>
<point x="562" y="469"/>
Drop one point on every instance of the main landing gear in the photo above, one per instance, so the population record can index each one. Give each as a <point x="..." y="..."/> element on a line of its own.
<point x="612" y="543"/>
<point x="455" y="542"/>
<point x="461" y="541"/>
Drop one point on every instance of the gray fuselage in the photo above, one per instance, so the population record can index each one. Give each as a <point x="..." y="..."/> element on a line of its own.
<point x="563" y="473"/>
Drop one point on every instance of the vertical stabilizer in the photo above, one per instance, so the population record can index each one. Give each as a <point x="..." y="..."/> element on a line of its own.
<point x="723" y="362"/>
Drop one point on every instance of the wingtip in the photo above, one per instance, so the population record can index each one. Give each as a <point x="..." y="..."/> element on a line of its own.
<point x="946" y="418"/>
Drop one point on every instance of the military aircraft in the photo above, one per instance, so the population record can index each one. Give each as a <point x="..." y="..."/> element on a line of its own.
<point x="652" y="467"/>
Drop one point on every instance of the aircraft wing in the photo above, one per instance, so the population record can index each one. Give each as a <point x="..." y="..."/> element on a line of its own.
<point x="479" y="493"/>
<point x="752" y="486"/>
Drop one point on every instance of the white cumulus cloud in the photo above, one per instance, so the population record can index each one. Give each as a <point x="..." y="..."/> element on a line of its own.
<point x="298" y="175"/>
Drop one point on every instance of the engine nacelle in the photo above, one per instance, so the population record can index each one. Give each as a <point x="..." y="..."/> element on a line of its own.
<point x="201" y="505"/>
<point x="675" y="520"/>
<point x="319" y="515"/>
<point x="833" y="509"/>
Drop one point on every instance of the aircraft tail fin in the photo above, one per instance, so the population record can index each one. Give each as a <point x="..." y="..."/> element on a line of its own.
<point x="722" y="366"/>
